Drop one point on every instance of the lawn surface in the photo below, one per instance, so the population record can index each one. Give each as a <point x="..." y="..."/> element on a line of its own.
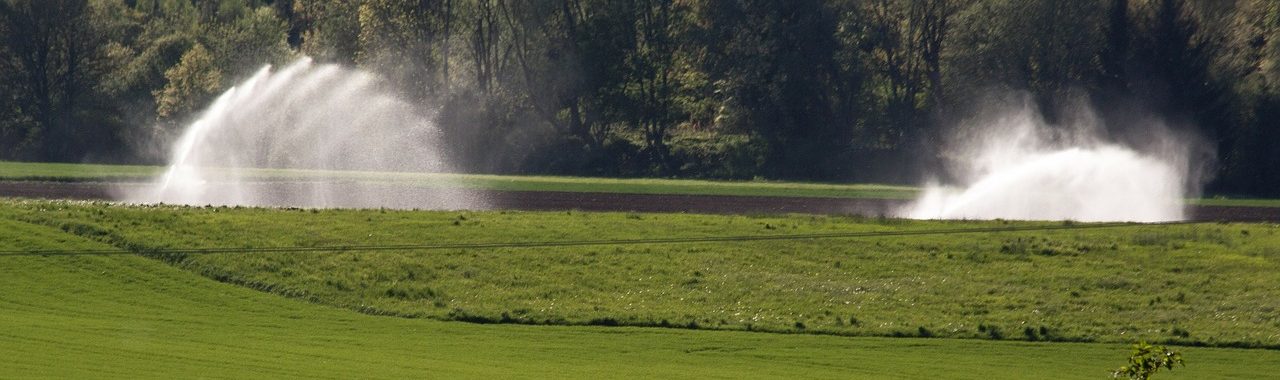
<point x="26" y="171"/>
<point x="1190" y="284"/>
<point x="128" y="317"/>
<point x="93" y="172"/>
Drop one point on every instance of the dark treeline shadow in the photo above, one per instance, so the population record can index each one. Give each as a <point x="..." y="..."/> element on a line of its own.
<point x="836" y="90"/>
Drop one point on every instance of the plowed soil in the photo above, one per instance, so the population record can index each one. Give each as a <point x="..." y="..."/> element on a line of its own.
<point x="421" y="197"/>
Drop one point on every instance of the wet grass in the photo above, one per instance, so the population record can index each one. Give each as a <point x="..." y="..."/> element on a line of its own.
<point x="1236" y="202"/>
<point x="1192" y="284"/>
<point x="52" y="171"/>
<point x="27" y="171"/>
<point x="61" y="172"/>
<point x="134" y="317"/>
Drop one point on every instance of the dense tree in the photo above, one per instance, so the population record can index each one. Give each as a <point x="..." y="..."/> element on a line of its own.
<point x="775" y="66"/>
<point x="1045" y="47"/>
<point x="406" y="41"/>
<point x="651" y="83"/>
<point x="1177" y="79"/>
<point x="326" y="29"/>
<point x="52" y="55"/>
<point x="564" y="72"/>
<point x="247" y="38"/>
<point x="904" y="42"/>
<point x="1249" y="162"/>
<point x="191" y="83"/>
<point x="813" y="89"/>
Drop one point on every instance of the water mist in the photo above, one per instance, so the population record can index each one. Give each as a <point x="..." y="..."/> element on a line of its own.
<point x="304" y="116"/>
<point x="1016" y="166"/>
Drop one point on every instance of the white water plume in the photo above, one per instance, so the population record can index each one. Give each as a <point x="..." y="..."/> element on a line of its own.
<point x="322" y="118"/>
<point x="1017" y="167"/>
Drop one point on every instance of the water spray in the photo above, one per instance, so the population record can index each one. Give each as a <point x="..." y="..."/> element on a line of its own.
<point x="319" y="118"/>
<point x="1019" y="167"/>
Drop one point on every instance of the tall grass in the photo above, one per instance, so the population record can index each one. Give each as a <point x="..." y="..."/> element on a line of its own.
<point x="1202" y="284"/>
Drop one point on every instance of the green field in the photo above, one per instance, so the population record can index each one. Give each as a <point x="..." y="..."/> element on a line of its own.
<point x="126" y="316"/>
<point x="1189" y="284"/>
<point x="93" y="172"/>
<point x="29" y="171"/>
<point x="1236" y="202"/>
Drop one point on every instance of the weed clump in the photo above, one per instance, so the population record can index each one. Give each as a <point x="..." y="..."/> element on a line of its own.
<point x="606" y="321"/>
<point x="992" y="332"/>
<point x="1031" y="334"/>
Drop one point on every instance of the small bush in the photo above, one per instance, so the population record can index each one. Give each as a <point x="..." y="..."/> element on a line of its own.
<point x="1146" y="360"/>
<point x="924" y="332"/>
<point x="606" y="321"/>
<point x="992" y="332"/>
<point x="721" y="156"/>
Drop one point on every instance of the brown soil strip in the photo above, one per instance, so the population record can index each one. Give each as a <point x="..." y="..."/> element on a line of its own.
<point x="419" y="197"/>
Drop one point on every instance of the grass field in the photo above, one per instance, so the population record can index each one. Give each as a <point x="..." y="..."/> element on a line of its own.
<point x="130" y="317"/>
<point x="93" y="172"/>
<point x="23" y="171"/>
<point x="1190" y="284"/>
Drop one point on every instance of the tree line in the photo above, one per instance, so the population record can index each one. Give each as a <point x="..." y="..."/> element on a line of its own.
<point x="850" y="90"/>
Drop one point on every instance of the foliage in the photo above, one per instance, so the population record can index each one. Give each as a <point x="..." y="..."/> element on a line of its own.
<point x="823" y="89"/>
<point x="326" y="30"/>
<point x="717" y="156"/>
<point x="1147" y="360"/>
<point x="50" y="67"/>
<point x="249" y="39"/>
<point x="190" y="84"/>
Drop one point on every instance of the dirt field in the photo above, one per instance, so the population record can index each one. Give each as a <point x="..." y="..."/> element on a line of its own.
<point x="416" y="197"/>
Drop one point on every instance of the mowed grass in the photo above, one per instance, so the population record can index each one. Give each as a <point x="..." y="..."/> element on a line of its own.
<point x="1235" y="202"/>
<point x="1200" y="284"/>
<point x="55" y="171"/>
<point x="133" y="317"/>
<point x="34" y="171"/>
<point x="26" y="171"/>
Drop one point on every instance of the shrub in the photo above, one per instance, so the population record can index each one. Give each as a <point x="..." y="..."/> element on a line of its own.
<point x="925" y="333"/>
<point x="717" y="156"/>
<point x="606" y="321"/>
<point x="1146" y="360"/>
<point x="992" y="331"/>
